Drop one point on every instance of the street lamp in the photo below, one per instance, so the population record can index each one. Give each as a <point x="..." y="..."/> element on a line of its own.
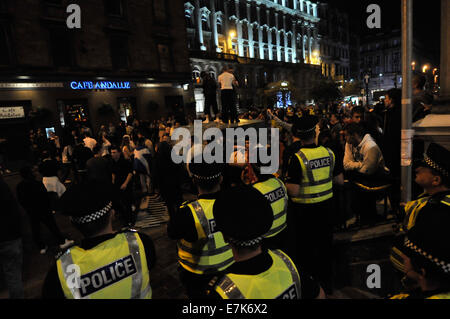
<point x="413" y="64"/>
<point x="425" y="68"/>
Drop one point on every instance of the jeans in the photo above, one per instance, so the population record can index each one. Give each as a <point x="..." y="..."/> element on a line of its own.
<point x="11" y="260"/>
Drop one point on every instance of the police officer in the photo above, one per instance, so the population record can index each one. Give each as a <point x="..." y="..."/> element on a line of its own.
<point x="258" y="273"/>
<point x="202" y="251"/>
<point x="275" y="192"/>
<point x="310" y="187"/>
<point x="432" y="174"/>
<point x="107" y="264"/>
<point x="425" y="256"/>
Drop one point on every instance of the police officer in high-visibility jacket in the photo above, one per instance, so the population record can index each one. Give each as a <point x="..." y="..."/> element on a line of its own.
<point x="310" y="187"/>
<point x="106" y="264"/>
<point x="425" y="256"/>
<point x="432" y="174"/>
<point x="275" y="192"/>
<point x="244" y="216"/>
<point x="202" y="251"/>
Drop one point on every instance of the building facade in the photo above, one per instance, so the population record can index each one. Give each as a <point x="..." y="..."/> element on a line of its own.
<point x="264" y="41"/>
<point x="335" y="44"/>
<point x="129" y="58"/>
<point x="381" y="59"/>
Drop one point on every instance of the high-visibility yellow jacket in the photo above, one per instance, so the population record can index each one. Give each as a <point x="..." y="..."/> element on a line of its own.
<point x="275" y="192"/>
<point x="114" y="269"/>
<point x="281" y="281"/>
<point x="210" y="253"/>
<point x="438" y="296"/>
<point x="317" y="175"/>
<point x="413" y="208"/>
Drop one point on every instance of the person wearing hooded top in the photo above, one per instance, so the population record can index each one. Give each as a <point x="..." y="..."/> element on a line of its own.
<point x="258" y="273"/>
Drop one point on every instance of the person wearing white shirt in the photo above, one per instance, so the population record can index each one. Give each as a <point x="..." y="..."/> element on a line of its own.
<point x="364" y="167"/>
<point x="89" y="142"/>
<point x="227" y="81"/>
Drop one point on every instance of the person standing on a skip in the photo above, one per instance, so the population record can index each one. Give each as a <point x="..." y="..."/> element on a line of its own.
<point x="226" y="81"/>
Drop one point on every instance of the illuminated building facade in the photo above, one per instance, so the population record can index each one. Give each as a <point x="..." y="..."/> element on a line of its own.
<point x="264" y="41"/>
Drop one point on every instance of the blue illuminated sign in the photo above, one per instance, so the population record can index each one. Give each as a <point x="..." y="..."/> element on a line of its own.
<point x="105" y="85"/>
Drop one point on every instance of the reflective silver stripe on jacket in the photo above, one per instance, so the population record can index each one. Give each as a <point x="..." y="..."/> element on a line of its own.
<point x="66" y="261"/>
<point x="199" y="252"/>
<point x="276" y="229"/>
<point x="304" y="196"/>
<point x="309" y="172"/>
<point x="294" y="273"/>
<point x="207" y="268"/>
<point x="205" y="225"/>
<point x="135" y="253"/>
<point x="332" y="161"/>
<point x="286" y="198"/>
<point x="230" y="289"/>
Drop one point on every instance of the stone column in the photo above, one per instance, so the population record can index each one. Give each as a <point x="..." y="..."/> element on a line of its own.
<point x="260" y="33"/>
<point x="198" y="18"/>
<point x="308" y="6"/>
<point x="213" y="19"/>
<point x="250" y="32"/>
<point x="270" y="44"/>
<point x="445" y="51"/>
<point x="295" y="4"/>
<point x="286" y="47"/>
<point x="302" y="5"/>
<point x="226" y="25"/>
<point x="277" y="26"/>
<point x="294" y="41"/>
<point x="239" y="30"/>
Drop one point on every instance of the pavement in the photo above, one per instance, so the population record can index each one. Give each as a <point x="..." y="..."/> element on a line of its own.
<point x="354" y="250"/>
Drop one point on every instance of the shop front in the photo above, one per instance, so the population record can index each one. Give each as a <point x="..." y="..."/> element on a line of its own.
<point x="74" y="103"/>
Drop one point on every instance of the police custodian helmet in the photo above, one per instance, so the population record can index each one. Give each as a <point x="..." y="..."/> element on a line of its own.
<point x="243" y="215"/>
<point x="305" y="124"/>
<point x="87" y="202"/>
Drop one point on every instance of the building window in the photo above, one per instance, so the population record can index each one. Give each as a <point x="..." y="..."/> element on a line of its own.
<point x="119" y="51"/>
<point x="196" y="75"/>
<point x="165" y="59"/>
<point x="114" y="8"/>
<point x="61" y="47"/>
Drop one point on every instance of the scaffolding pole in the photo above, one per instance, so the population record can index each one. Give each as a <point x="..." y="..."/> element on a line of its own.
<point x="407" y="133"/>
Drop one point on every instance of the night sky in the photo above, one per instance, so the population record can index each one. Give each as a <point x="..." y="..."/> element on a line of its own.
<point x="427" y="18"/>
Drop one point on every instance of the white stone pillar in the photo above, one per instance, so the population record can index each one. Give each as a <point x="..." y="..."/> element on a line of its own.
<point x="213" y="18"/>
<point x="260" y="33"/>
<point x="270" y="44"/>
<point x="302" y="5"/>
<point x="239" y="30"/>
<point x="277" y="26"/>
<point x="308" y="7"/>
<point x="294" y="41"/>
<point x="295" y="4"/>
<point x="314" y="9"/>
<point x="286" y="47"/>
<point x="198" y="18"/>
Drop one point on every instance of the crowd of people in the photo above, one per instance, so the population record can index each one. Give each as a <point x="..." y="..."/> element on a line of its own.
<point x="239" y="233"/>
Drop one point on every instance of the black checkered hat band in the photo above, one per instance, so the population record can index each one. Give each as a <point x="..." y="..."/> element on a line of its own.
<point x="246" y="243"/>
<point x="92" y="217"/>
<point x="441" y="264"/>
<point x="207" y="177"/>
<point x="435" y="166"/>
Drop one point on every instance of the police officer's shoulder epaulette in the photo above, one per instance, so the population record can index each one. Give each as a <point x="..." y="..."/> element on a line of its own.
<point x="63" y="251"/>
<point x="187" y="202"/>
<point x="128" y="230"/>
